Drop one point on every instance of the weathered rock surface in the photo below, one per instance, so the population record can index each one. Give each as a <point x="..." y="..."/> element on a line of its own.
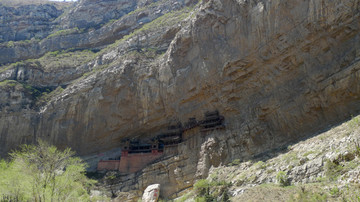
<point x="140" y="49"/>
<point x="287" y="79"/>
<point x="14" y="97"/>
<point x="15" y="107"/>
<point x="306" y="162"/>
<point x="276" y="70"/>
<point x="26" y="22"/>
<point x="262" y="83"/>
<point x="51" y="71"/>
<point x="90" y="14"/>
<point x="79" y="36"/>
<point x="151" y="193"/>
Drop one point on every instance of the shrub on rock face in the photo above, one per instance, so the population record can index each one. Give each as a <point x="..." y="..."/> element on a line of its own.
<point x="44" y="173"/>
<point x="235" y="162"/>
<point x="201" y="187"/>
<point x="282" y="179"/>
<point x="211" y="191"/>
<point x="333" y="170"/>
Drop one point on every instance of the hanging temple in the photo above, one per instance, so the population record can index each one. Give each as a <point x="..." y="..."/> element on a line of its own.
<point x="135" y="154"/>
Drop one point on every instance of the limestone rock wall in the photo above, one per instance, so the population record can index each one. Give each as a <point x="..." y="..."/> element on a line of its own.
<point x="89" y="14"/>
<point x="91" y="24"/>
<point x="27" y="21"/>
<point x="15" y="107"/>
<point x="125" y="65"/>
<point x="277" y="70"/>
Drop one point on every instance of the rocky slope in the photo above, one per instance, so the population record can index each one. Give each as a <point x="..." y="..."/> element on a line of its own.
<point x="277" y="71"/>
<point x="84" y="27"/>
<point x="27" y="21"/>
<point x="322" y="168"/>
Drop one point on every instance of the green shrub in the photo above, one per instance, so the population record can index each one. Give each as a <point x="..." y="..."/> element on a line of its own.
<point x="64" y="32"/>
<point x="260" y="165"/>
<point x="335" y="191"/>
<point x="225" y="196"/>
<point x="354" y="123"/>
<point x="200" y="199"/>
<point x="357" y="147"/>
<point x="10" y="44"/>
<point x="44" y="173"/>
<point x="282" y="179"/>
<point x="290" y="157"/>
<point x="11" y="83"/>
<point x="201" y="187"/>
<point x="306" y="196"/>
<point x="332" y="170"/>
<point x="184" y="197"/>
<point x="207" y="198"/>
<point x="235" y="162"/>
<point x="350" y="193"/>
<point x="308" y="153"/>
<point x="208" y="192"/>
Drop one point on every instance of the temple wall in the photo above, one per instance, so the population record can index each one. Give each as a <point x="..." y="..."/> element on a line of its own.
<point x="135" y="162"/>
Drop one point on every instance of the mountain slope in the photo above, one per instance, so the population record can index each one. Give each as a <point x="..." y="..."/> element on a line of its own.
<point x="277" y="70"/>
<point x="323" y="167"/>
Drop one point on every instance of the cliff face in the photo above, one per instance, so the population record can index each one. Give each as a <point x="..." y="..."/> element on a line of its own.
<point x="90" y="24"/>
<point x="90" y="14"/>
<point x="79" y="69"/>
<point x="27" y="21"/>
<point x="276" y="70"/>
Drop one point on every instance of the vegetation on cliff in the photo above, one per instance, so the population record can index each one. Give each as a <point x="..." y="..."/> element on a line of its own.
<point x="279" y="70"/>
<point x="16" y="3"/>
<point x="43" y="173"/>
<point x="322" y="168"/>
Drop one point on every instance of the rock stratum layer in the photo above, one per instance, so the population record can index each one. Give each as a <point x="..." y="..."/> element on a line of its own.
<point x="26" y="22"/>
<point x="276" y="70"/>
<point x="88" y="25"/>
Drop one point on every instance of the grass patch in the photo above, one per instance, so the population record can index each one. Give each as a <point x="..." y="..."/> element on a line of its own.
<point x="260" y="165"/>
<point x="65" y="58"/>
<point x="357" y="147"/>
<point x="317" y="192"/>
<point x="335" y="192"/>
<point x="308" y="153"/>
<point x="154" y="4"/>
<point x="269" y="171"/>
<point x="290" y="157"/>
<point x="46" y="96"/>
<point x="354" y="123"/>
<point x="10" y="83"/>
<point x="184" y="197"/>
<point x="332" y="170"/>
<point x="64" y="32"/>
<point x="55" y="60"/>
<point x="17" y="3"/>
<point x="165" y="20"/>
<point x="309" y="196"/>
<point x="312" y="192"/>
<point x="210" y="191"/>
<point x="235" y="162"/>
<point x="12" y="44"/>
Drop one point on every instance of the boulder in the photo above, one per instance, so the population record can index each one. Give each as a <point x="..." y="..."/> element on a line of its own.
<point x="151" y="193"/>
